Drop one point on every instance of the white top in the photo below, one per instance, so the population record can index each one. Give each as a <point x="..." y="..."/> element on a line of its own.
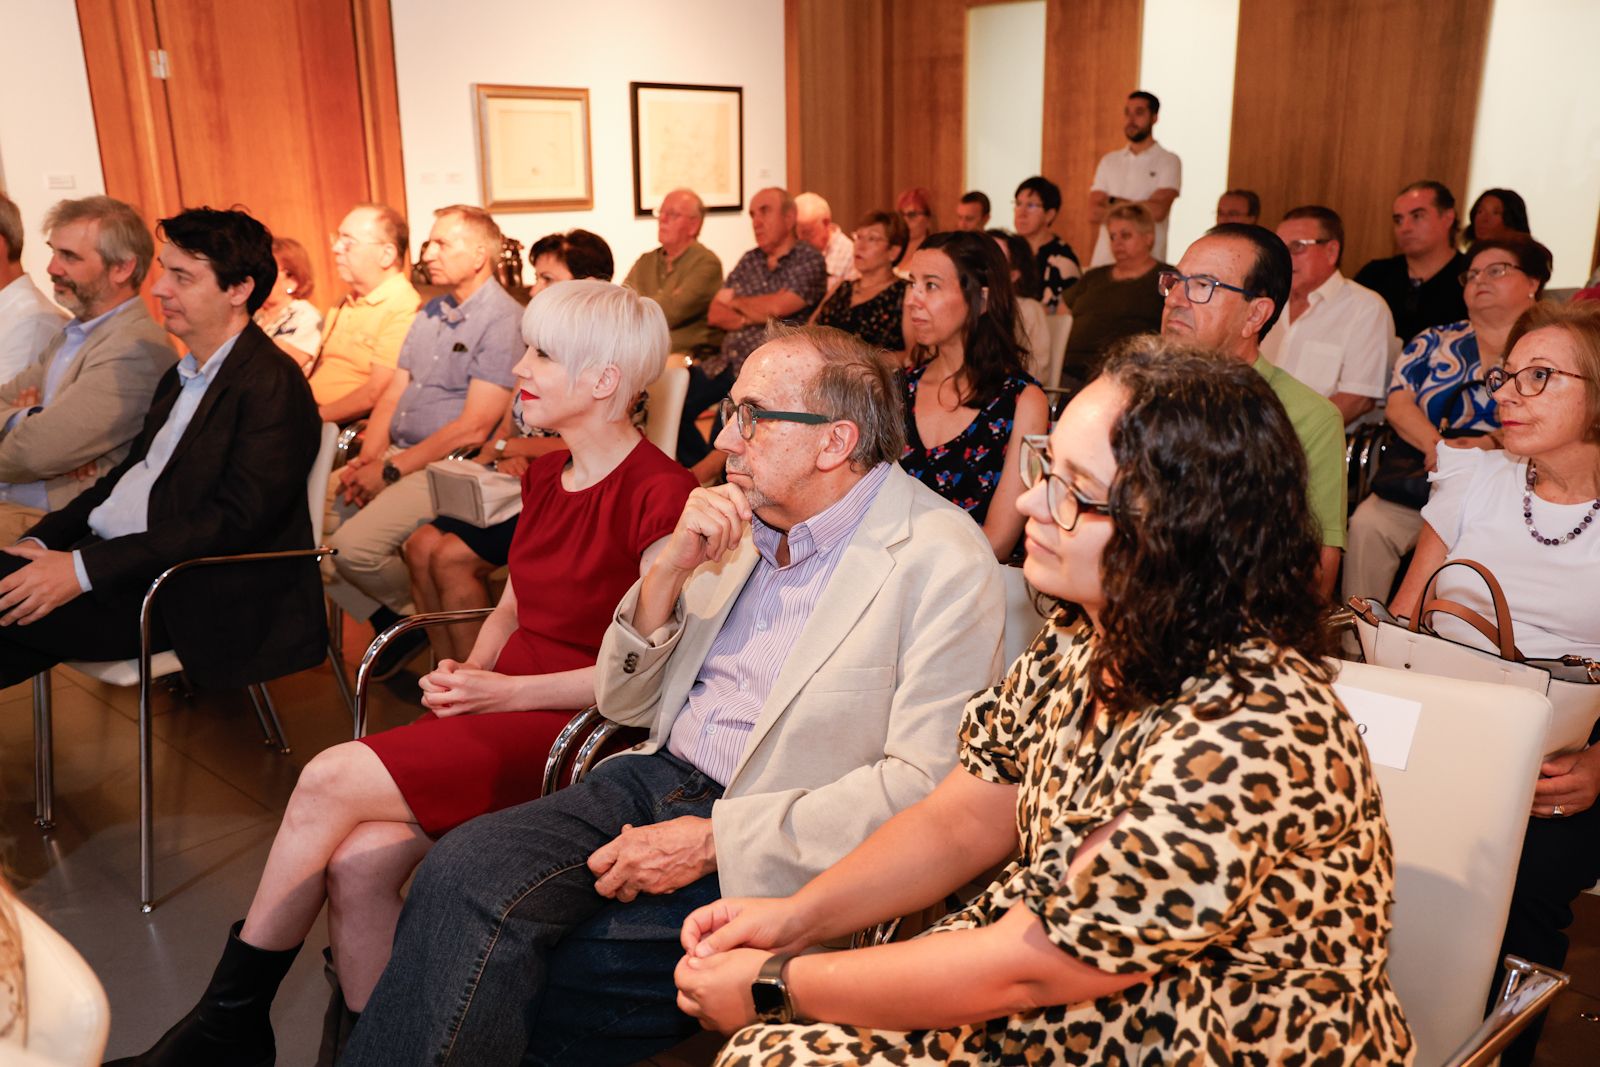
<point x="1128" y="176"/>
<point x="840" y="256"/>
<point x="27" y="322"/>
<point x="1553" y="590"/>
<point x="1340" y="344"/>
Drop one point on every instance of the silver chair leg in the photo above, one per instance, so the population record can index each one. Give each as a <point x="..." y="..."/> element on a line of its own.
<point x="147" y="865"/>
<point x="261" y="716"/>
<point x="277" y="723"/>
<point x="44" y="786"/>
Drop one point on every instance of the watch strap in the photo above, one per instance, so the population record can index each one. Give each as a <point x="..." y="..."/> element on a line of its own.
<point x="770" y="980"/>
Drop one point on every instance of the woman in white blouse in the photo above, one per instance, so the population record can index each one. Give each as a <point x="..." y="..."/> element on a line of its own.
<point x="1531" y="514"/>
<point x="287" y="316"/>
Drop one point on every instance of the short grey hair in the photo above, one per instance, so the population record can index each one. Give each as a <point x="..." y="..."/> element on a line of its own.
<point x="123" y="234"/>
<point x="479" y="223"/>
<point x="812" y="206"/>
<point x="694" y="198"/>
<point x="853" y="385"/>
<point x="588" y="323"/>
<point x="785" y="201"/>
<point x="11" y="228"/>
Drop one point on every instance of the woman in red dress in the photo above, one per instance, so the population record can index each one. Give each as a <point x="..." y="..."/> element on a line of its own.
<point x="364" y="813"/>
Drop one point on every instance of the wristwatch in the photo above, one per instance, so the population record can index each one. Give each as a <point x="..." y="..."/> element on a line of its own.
<point x="770" y="992"/>
<point x="500" y="447"/>
<point x="391" y="473"/>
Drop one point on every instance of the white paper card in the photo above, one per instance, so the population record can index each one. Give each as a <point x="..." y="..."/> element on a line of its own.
<point x="1388" y="724"/>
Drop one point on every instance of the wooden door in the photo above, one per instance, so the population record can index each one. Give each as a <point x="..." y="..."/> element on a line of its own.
<point x="286" y="110"/>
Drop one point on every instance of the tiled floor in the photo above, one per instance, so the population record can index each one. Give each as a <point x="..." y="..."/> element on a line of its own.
<point x="219" y="794"/>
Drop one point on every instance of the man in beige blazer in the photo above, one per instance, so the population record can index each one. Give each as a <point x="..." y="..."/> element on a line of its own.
<point x="801" y="648"/>
<point x="68" y="418"/>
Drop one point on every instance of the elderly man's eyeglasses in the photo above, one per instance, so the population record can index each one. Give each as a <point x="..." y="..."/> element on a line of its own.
<point x="1199" y="288"/>
<point x="1063" y="501"/>
<point x="746" y="415"/>
<point x="341" y="241"/>
<point x="1299" y="247"/>
<point x="1530" y="380"/>
<point x="1494" y="272"/>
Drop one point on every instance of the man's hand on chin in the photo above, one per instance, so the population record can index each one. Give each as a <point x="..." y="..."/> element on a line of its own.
<point x="654" y="859"/>
<point x="33" y="591"/>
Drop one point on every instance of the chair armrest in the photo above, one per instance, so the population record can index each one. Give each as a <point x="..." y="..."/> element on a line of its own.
<point x="380" y="642"/>
<point x="209" y="561"/>
<point x="1527" y="990"/>
<point x="577" y="727"/>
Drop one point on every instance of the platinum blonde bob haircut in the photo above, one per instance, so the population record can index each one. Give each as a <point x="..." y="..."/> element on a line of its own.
<point x="590" y="324"/>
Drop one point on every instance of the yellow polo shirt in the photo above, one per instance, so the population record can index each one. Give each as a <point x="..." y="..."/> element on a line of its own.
<point x="362" y="331"/>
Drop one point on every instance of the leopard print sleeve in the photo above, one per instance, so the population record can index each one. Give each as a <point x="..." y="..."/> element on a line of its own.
<point x="1228" y="823"/>
<point x="997" y="721"/>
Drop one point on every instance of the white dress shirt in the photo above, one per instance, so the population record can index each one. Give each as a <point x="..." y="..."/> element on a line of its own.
<point x="126" y="509"/>
<point x="27" y="322"/>
<point x="1129" y="175"/>
<point x="840" y="255"/>
<point x="1339" y="344"/>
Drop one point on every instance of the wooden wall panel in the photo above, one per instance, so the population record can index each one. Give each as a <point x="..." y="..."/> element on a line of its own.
<point x="287" y="109"/>
<point x="1332" y="106"/>
<point x="838" y="106"/>
<point x="1091" y="64"/>
<point x="927" y="100"/>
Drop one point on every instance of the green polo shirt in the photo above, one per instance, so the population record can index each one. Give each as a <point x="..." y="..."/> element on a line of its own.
<point x="1320" y="428"/>
<point x="684" y="288"/>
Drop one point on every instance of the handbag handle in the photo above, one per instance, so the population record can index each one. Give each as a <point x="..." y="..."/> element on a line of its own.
<point x="1500" y="634"/>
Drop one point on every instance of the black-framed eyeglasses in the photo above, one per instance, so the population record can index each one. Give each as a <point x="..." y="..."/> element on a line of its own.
<point x="1296" y="247"/>
<point x="1064" y="502"/>
<point x="745" y="416"/>
<point x="1494" y="272"/>
<point x="1199" y="288"/>
<point x="1530" y="380"/>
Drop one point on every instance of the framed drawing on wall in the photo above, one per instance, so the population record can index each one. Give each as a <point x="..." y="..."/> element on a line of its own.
<point x="533" y="148"/>
<point x="688" y="136"/>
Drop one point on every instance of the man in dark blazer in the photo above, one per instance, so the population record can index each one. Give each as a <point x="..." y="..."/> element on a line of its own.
<point x="219" y="468"/>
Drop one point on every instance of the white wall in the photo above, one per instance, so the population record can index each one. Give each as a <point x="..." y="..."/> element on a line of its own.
<point x="600" y="45"/>
<point x="46" y="122"/>
<point x="1537" y="132"/>
<point x="1005" y="99"/>
<point x="1186" y="58"/>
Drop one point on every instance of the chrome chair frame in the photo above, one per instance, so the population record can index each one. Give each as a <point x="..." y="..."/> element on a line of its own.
<point x="44" y="755"/>
<point x="381" y="641"/>
<point x="1527" y="990"/>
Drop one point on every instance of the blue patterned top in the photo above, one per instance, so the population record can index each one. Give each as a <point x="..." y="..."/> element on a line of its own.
<point x="966" y="469"/>
<point x="1433" y="364"/>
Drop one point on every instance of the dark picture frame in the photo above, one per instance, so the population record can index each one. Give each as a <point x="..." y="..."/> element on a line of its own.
<point x="687" y="136"/>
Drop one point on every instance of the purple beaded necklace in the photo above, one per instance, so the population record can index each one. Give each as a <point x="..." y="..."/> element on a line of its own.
<point x="1527" y="514"/>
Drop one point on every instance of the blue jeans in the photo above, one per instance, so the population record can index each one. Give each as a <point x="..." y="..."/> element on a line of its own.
<point x="505" y="951"/>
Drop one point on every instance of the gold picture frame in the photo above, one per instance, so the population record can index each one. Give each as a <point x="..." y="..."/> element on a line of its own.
<point x="534" y="149"/>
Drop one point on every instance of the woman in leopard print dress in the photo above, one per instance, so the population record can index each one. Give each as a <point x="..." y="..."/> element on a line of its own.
<point x="1199" y="868"/>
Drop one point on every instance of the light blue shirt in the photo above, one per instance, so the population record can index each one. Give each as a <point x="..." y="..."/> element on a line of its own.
<point x="32" y="494"/>
<point x="127" y="509"/>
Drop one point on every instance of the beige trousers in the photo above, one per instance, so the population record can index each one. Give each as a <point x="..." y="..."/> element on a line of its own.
<point x="369" y="570"/>
<point x="15" y="520"/>
<point x="1381" y="533"/>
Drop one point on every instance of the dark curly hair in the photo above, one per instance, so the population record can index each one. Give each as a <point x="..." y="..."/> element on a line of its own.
<point x="1213" y="539"/>
<point x="989" y="342"/>
<point x="237" y="245"/>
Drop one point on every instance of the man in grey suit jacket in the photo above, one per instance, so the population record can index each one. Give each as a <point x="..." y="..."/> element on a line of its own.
<point x="801" y="649"/>
<point x="68" y="418"/>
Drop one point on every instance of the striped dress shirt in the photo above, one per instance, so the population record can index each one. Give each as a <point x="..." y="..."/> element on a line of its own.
<point x="765" y="623"/>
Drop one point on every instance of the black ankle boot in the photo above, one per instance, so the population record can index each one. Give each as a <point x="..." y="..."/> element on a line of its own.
<point x="232" y="1024"/>
<point x="337" y="1021"/>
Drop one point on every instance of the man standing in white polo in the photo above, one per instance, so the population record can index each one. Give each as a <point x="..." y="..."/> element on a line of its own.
<point x="1140" y="171"/>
